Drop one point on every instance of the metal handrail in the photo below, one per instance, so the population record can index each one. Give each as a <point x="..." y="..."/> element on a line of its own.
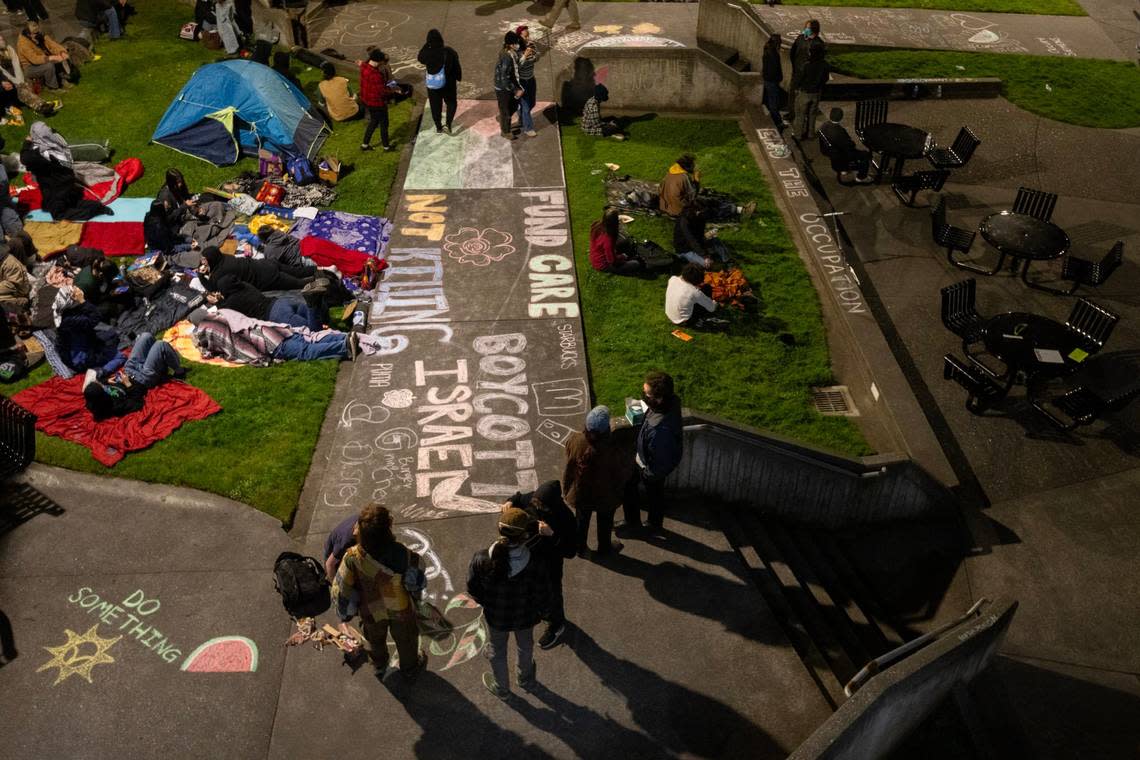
<point x="879" y="664"/>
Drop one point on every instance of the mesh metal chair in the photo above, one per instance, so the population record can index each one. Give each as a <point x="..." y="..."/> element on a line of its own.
<point x="958" y="154"/>
<point x="1035" y="203"/>
<point x="907" y="188"/>
<point x="1091" y="324"/>
<point x="868" y="112"/>
<point x="17" y="437"/>
<point x="981" y="390"/>
<point x="1092" y="273"/>
<point x="954" y="239"/>
<point x="959" y="312"/>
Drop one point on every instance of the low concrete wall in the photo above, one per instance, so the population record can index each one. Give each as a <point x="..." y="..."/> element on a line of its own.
<point x="893" y="703"/>
<point x="912" y="89"/>
<point x="734" y="25"/>
<point x="763" y="471"/>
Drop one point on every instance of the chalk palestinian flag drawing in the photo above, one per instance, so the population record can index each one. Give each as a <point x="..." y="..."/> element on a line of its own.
<point x="224" y="654"/>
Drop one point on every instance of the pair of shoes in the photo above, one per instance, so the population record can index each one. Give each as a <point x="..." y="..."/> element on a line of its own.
<point x="507" y="135"/>
<point x="868" y="180"/>
<point x="352" y="343"/>
<point x="492" y="686"/>
<point x="316" y="286"/>
<point x="531" y="133"/>
<point x="421" y="663"/>
<point x="439" y="130"/>
<point x="626" y="530"/>
<point x="530" y="680"/>
<point x="748" y="210"/>
<point x="365" y="146"/>
<point x="550" y="637"/>
<point x="615" y="547"/>
<point x="447" y="129"/>
<point x="390" y="147"/>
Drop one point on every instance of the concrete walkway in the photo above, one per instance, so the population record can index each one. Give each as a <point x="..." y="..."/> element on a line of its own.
<point x="1070" y="36"/>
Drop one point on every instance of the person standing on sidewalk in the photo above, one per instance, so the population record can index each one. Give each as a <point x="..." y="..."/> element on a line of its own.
<point x="507" y="87"/>
<point x="598" y="465"/>
<point x="809" y="86"/>
<point x="527" y="57"/>
<point x="441" y="73"/>
<point x="798" y="56"/>
<point x="557" y="541"/>
<point x="371" y="581"/>
<point x="513" y="590"/>
<point x="659" y="448"/>
<point x="556" y="10"/>
<point x="374" y="96"/>
<point x="772" y="71"/>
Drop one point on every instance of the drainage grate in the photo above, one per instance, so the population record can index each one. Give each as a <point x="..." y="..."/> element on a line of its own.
<point x="834" y="401"/>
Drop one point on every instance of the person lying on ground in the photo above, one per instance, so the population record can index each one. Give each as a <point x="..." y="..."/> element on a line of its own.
<point x="262" y="274"/>
<point x="841" y="149"/>
<point x="242" y="297"/>
<point x="688" y="301"/>
<point x="691" y="240"/>
<point x="607" y="247"/>
<point x="339" y="101"/>
<point x="82" y="342"/>
<point x="282" y="247"/>
<point x="42" y="57"/>
<point x="47" y="156"/>
<point x="120" y="386"/>
<point x="592" y="122"/>
<point x="233" y="336"/>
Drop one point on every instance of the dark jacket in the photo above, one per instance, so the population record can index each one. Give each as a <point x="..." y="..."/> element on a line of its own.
<point x="509" y="603"/>
<point x="799" y="52"/>
<point x="282" y="247"/>
<point x="80" y="344"/>
<point x="553" y="511"/>
<point x="204" y="11"/>
<point x="842" y="148"/>
<point x="61" y="191"/>
<point x="244" y="298"/>
<point x="262" y="274"/>
<point x="812" y="76"/>
<point x="600" y="483"/>
<point x="689" y="234"/>
<point x="435" y="58"/>
<point x="506" y="75"/>
<point x="659" y="442"/>
<point x="772" y="67"/>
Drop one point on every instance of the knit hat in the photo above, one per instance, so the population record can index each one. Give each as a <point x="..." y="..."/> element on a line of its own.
<point x="598" y="420"/>
<point x="518" y="30"/>
<point x="514" y="523"/>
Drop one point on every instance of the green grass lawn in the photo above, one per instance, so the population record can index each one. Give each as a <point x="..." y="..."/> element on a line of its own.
<point x="258" y="449"/>
<point x="747" y="375"/>
<point x="1043" y="7"/>
<point x="1083" y="91"/>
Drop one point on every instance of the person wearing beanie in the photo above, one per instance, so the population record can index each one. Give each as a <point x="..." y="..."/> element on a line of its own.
<point x="556" y="542"/>
<point x="507" y="87"/>
<point x="599" y="462"/>
<point x="845" y="156"/>
<point x="442" y="72"/>
<point x="514" y="590"/>
<point x="592" y="122"/>
<point x="374" y="96"/>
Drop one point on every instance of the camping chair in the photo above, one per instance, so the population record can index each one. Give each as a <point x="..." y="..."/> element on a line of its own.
<point x="1035" y="203"/>
<point x="981" y="390"/>
<point x="954" y="238"/>
<point x="1091" y="324"/>
<point x="868" y="112"/>
<point x="958" y="154"/>
<point x="906" y="188"/>
<point x="1082" y="406"/>
<point x="1092" y="273"/>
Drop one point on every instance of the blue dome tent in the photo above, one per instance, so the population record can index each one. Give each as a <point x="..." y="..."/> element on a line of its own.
<point x="232" y="108"/>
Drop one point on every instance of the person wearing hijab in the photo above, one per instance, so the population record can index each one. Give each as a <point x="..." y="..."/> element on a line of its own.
<point x="47" y="156"/>
<point x="442" y="72"/>
<point x="262" y="274"/>
<point x="175" y="196"/>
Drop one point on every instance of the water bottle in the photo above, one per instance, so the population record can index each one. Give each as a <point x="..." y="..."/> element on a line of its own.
<point x="358" y="320"/>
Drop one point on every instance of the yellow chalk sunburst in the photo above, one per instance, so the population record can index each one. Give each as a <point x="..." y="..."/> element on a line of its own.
<point x="71" y="661"/>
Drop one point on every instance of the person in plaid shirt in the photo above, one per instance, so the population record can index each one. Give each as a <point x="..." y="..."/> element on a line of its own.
<point x="514" y="590"/>
<point x="592" y="122"/>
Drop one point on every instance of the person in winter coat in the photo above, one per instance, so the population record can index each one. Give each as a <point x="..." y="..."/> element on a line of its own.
<point x="606" y="243"/>
<point x="527" y="57"/>
<point x="545" y="504"/>
<point x="262" y="274"/>
<point x="599" y="461"/>
<point x="371" y="581"/>
<point x="507" y="87"/>
<point x="680" y="186"/>
<point x="81" y="341"/>
<point x="798" y="56"/>
<point x="374" y="96"/>
<point x="772" y="71"/>
<point x="659" y="448"/>
<point x="440" y="62"/>
<point x="810" y="80"/>
<point x="41" y="56"/>
<point x="513" y="590"/>
<point x="48" y="157"/>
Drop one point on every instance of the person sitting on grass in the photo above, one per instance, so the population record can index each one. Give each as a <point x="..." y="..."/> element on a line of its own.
<point x="15" y="86"/>
<point x="120" y="386"/>
<point x="688" y="301"/>
<point x="682" y="187"/>
<point x="175" y="193"/>
<point x="42" y="57"/>
<point x="99" y="15"/>
<point x="607" y="244"/>
<point x="840" y="148"/>
<point x="339" y="102"/>
<point x="691" y="242"/>
<point x="592" y="122"/>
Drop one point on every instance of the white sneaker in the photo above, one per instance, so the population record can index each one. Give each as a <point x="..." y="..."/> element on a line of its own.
<point x="531" y="133"/>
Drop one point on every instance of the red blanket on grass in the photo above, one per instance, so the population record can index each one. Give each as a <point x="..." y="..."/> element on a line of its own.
<point x="60" y="411"/>
<point x="327" y="254"/>
<point x="114" y="238"/>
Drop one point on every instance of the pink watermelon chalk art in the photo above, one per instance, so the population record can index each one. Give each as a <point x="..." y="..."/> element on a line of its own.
<point x="224" y="654"/>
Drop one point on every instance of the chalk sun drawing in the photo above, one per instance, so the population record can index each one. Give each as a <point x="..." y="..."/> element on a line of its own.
<point x="71" y="662"/>
<point x="479" y="247"/>
<point x="398" y="399"/>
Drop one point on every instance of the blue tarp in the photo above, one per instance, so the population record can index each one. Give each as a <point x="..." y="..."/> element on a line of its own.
<point x="240" y="105"/>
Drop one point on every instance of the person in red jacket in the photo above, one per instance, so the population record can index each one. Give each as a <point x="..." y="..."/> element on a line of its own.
<point x="605" y="240"/>
<point x="374" y="96"/>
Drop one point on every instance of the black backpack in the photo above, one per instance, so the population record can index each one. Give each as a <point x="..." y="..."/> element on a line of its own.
<point x="302" y="584"/>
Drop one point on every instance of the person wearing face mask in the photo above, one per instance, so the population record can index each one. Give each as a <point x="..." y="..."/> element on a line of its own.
<point x="799" y="56"/>
<point x="659" y="449"/>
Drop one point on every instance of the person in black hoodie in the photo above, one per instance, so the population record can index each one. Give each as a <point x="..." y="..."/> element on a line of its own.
<point x="231" y="293"/>
<point x="262" y="274"/>
<point x="660" y="445"/>
<point x="546" y="505"/>
<point x="773" y="74"/>
<point x="810" y="80"/>
<point x="438" y="59"/>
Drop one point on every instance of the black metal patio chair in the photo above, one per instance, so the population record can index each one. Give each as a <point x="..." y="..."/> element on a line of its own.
<point x="1091" y="324"/>
<point x="868" y="112"/>
<point x="958" y="154"/>
<point x="1082" y="406"/>
<point x="1092" y="273"/>
<point x="907" y="188"/>
<point x="954" y="239"/>
<point x="1035" y="203"/>
<point x="982" y="391"/>
<point x="959" y="312"/>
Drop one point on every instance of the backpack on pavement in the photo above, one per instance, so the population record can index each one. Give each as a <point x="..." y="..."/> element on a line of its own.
<point x="302" y="584"/>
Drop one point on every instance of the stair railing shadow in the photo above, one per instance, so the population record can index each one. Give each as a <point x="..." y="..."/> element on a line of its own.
<point x="7" y="641"/>
<point x="22" y="503"/>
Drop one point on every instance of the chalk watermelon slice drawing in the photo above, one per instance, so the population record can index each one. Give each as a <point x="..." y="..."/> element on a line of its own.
<point x="224" y="654"/>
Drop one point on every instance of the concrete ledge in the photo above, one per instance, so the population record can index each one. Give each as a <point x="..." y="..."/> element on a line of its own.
<point x="912" y="89"/>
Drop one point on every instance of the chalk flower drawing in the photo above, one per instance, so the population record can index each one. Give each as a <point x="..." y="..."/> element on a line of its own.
<point x="70" y="661"/>
<point x="398" y="399"/>
<point x="478" y="247"/>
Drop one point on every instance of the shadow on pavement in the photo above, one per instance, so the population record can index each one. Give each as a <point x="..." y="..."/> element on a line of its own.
<point x="21" y="504"/>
